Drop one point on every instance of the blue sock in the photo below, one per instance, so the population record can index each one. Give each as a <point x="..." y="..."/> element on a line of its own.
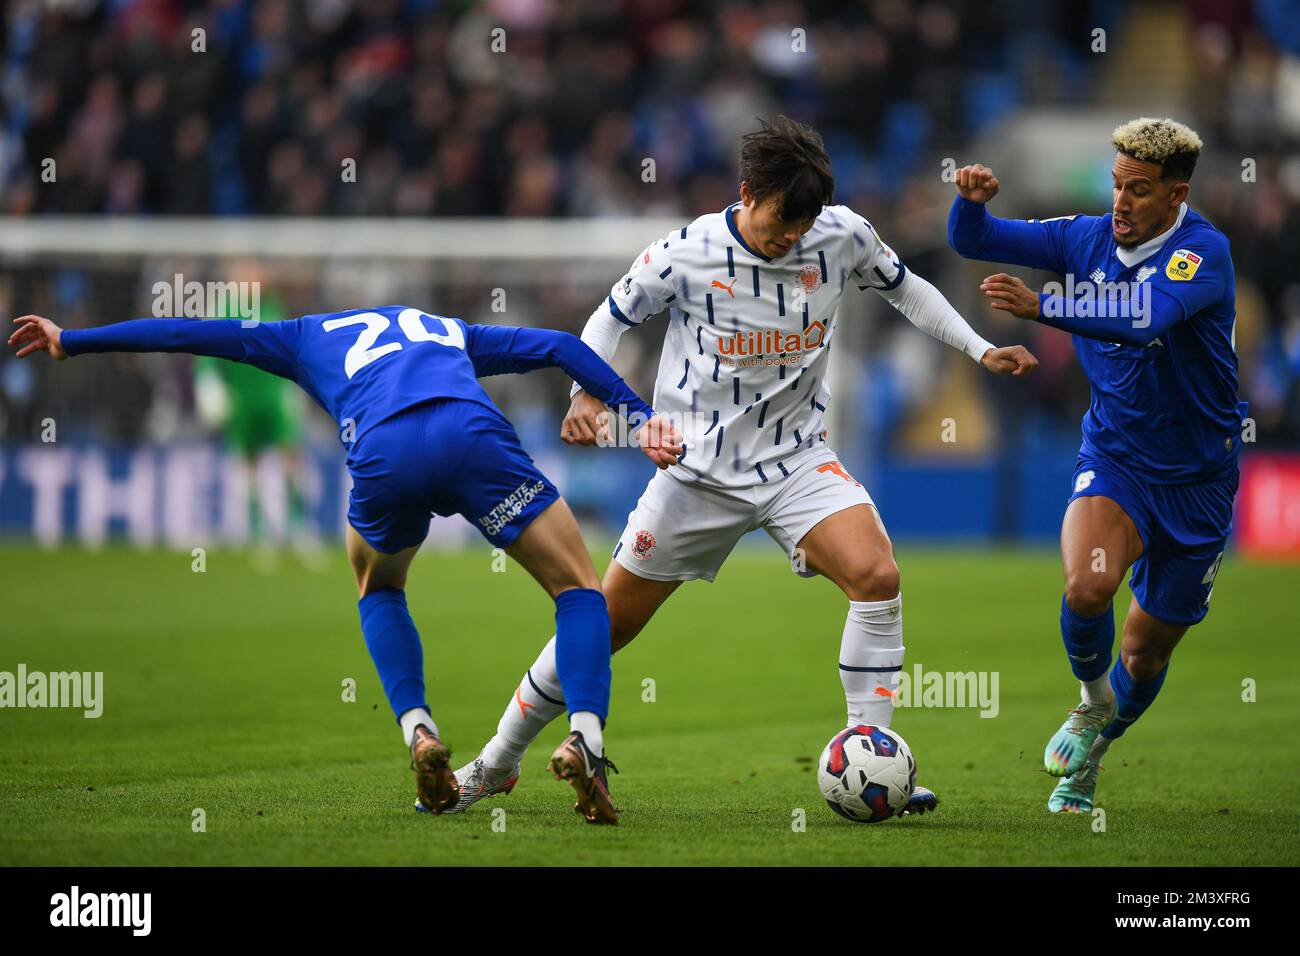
<point x="1089" y="641"/>
<point x="582" y="650"/>
<point x="1132" y="697"/>
<point x="394" y="646"/>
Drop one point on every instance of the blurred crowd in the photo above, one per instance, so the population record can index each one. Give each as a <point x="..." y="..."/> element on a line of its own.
<point x="511" y="107"/>
<point x="1247" y="108"/>
<point x="554" y="108"/>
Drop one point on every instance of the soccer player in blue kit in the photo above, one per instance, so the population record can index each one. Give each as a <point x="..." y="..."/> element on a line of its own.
<point x="424" y="438"/>
<point x="1153" y="319"/>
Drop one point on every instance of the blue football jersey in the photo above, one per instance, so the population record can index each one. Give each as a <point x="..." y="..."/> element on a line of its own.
<point x="366" y="365"/>
<point x="1164" y="384"/>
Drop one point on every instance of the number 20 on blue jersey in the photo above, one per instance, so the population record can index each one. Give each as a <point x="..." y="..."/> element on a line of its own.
<point x="412" y="323"/>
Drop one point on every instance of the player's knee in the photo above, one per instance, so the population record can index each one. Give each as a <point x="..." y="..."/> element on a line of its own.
<point x="567" y="573"/>
<point x="1089" y="593"/>
<point x="369" y="584"/>
<point x="1145" y="665"/>
<point x="577" y="576"/>
<point x="876" y="580"/>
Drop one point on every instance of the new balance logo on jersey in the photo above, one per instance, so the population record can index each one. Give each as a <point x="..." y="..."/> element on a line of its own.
<point x="789" y="346"/>
<point x="725" y="288"/>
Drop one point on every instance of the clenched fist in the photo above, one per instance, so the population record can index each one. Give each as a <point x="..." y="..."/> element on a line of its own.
<point x="976" y="183"/>
<point x="1010" y="360"/>
<point x="587" y="422"/>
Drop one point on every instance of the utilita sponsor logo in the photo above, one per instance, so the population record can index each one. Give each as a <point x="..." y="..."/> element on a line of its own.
<point x="769" y="346"/>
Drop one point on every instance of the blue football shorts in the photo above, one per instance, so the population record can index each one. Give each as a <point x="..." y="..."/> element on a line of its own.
<point x="1184" y="530"/>
<point x="444" y="457"/>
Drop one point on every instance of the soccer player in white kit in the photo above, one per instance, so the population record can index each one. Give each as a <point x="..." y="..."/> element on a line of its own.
<point x="752" y="294"/>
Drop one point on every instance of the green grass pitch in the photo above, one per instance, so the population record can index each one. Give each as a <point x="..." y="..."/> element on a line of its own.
<point x="223" y="692"/>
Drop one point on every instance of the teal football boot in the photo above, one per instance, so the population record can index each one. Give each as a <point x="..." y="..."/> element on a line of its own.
<point x="1067" y="751"/>
<point x="1075" y="793"/>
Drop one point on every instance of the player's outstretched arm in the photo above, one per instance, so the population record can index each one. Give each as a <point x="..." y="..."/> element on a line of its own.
<point x="976" y="234"/>
<point x="1108" y="320"/>
<point x="270" y="346"/>
<point x="504" y="349"/>
<point x="500" y="349"/>
<point x="928" y="309"/>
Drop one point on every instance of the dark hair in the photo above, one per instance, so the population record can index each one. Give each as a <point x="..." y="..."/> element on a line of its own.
<point x="787" y="159"/>
<point x="1178" y="167"/>
<point x="1174" y="168"/>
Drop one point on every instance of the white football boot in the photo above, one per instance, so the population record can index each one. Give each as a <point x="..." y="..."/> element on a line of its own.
<point x="478" y="781"/>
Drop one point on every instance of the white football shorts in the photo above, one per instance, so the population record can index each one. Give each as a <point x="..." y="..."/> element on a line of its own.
<point x="682" y="531"/>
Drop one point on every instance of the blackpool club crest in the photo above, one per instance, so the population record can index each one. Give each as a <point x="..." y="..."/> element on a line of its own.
<point x="810" y="279"/>
<point x="643" y="546"/>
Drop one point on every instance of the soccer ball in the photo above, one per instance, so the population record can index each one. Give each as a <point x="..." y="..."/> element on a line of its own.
<point x="866" y="773"/>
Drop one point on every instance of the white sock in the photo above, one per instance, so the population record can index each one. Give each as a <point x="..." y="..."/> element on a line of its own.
<point x="871" y="657"/>
<point x="1098" y="691"/>
<point x="528" y="712"/>
<point x="588" y="724"/>
<point x="1099" y="747"/>
<point x="414" y="718"/>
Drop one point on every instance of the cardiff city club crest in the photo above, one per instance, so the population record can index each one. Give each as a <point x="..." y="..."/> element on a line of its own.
<point x="643" y="546"/>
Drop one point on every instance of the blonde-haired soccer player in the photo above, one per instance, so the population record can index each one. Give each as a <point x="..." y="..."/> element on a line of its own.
<point x="1153" y="318"/>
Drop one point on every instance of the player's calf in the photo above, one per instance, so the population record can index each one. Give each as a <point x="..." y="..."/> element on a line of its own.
<point x="1089" y="645"/>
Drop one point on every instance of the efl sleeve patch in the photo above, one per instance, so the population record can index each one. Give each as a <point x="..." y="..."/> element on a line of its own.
<point x="1183" y="265"/>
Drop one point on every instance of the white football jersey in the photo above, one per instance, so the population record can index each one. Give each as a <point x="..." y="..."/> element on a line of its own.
<point x="746" y="355"/>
